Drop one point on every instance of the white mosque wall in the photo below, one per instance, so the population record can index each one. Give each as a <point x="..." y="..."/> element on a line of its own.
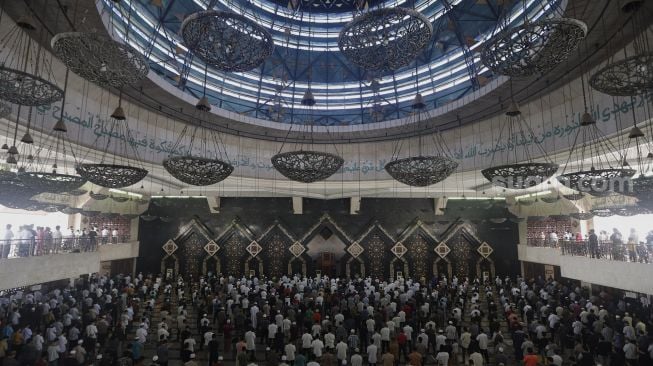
<point x="634" y="277"/>
<point x="18" y="272"/>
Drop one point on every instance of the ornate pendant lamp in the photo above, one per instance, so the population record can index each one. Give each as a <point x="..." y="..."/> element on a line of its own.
<point x="600" y="169"/>
<point x="227" y="41"/>
<point x="99" y="59"/>
<point x="385" y="39"/>
<point x="632" y="74"/>
<point x="520" y="170"/>
<point x="534" y="47"/>
<point x="114" y="169"/>
<point x="640" y="187"/>
<point x="210" y="167"/>
<point x="422" y="170"/>
<point x="54" y="151"/>
<point x="306" y="166"/>
<point x="26" y="76"/>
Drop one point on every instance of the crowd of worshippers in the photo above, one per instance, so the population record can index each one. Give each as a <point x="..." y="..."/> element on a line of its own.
<point x="321" y="321"/>
<point x="28" y="240"/>
<point x="601" y="244"/>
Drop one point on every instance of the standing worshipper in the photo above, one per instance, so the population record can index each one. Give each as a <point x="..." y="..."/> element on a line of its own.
<point x="6" y="243"/>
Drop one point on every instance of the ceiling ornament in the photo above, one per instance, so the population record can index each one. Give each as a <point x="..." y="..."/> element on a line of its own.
<point x="120" y="199"/>
<point x="55" y="151"/>
<point x="99" y="59"/>
<point x="553" y="199"/>
<point x="149" y="217"/>
<point x="26" y="76"/>
<point x="16" y="194"/>
<point x="385" y="39"/>
<point x="627" y="77"/>
<point x="602" y="167"/>
<point x="630" y="211"/>
<point x="98" y="196"/>
<point x="581" y="215"/>
<point x="518" y="142"/>
<point x="90" y="213"/>
<point x="77" y="192"/>
<point x="573" y="196"/>
<point x="210" y="167"/>
<point x="533" y="48"/>
<point x="631" y="75"/>
<point x="427" y="167"/>
<point x="602" y="212"/>
<point x="115" y="170"/>
<point x="306" y="166"/>
<point x="5" y="111"/>
<point x="227" y="41"/>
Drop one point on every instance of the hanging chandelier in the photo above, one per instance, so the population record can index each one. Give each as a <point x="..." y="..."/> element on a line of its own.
<point x="533" y="47"/>
<point x="517" y="137"/>
<point x="55" y="151"/>
<point x="228" y="41"/>
<point x="16" y="194"/>
<point x="631" y="75"/>
<point x="385" y="39"/>
<point x="99" y="59"/>
<point x="114" y="169"/>
<point x="26" y="76"/>
<point x="210" y="167"/>
<point x="306" y="166"/>
<point x="606" y="173"/>
<point x="422" y="170"/>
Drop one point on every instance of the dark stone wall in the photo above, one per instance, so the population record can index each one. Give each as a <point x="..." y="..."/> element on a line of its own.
<point x="393" y="215"/>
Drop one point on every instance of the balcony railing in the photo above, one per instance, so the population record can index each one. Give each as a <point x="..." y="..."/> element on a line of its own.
<point x="19" y="248"/>
<point x="624" y="252"/>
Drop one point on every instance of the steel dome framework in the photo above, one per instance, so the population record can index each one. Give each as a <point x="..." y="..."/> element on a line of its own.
<point x="305" y="36"/>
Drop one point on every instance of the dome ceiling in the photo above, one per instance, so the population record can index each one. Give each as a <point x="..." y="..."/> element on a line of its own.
<point x="306" y="54"/>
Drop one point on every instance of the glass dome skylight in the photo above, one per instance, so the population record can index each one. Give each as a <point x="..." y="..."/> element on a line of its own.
<point x="306" y="53"/>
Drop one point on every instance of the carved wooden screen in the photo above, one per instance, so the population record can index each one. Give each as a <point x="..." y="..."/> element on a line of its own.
<point x="276" y="254"/>
<point x="192" y="249"/>
<point x="420" y="256"/>
<point x="377" y="254"/>
<point x="234" y="253"/>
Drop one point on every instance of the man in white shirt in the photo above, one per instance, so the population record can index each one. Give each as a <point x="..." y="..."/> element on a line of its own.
<point x="250" y="343"/>
<point x="105" y="235"/>
<point x="114" y="236"/>
<point x="442" y="358"/>
<point x="272" y="333"/>
<point x="482" y="340"/>
<point x="141" y="334"/>
<point x="341" y="351"/>
<point x="356" y="358"/>
<point x="290" y="350"/>
<point x="372" y="351"/>
<point x="57" y="238"/>
<point x="6" y="243"/>
<point x="307" y="339"/>
<point x="317" y="346"/>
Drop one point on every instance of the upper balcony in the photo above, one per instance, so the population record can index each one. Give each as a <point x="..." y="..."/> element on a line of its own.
<point x="29" y="262"/>
<point x="621" y="266"/>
